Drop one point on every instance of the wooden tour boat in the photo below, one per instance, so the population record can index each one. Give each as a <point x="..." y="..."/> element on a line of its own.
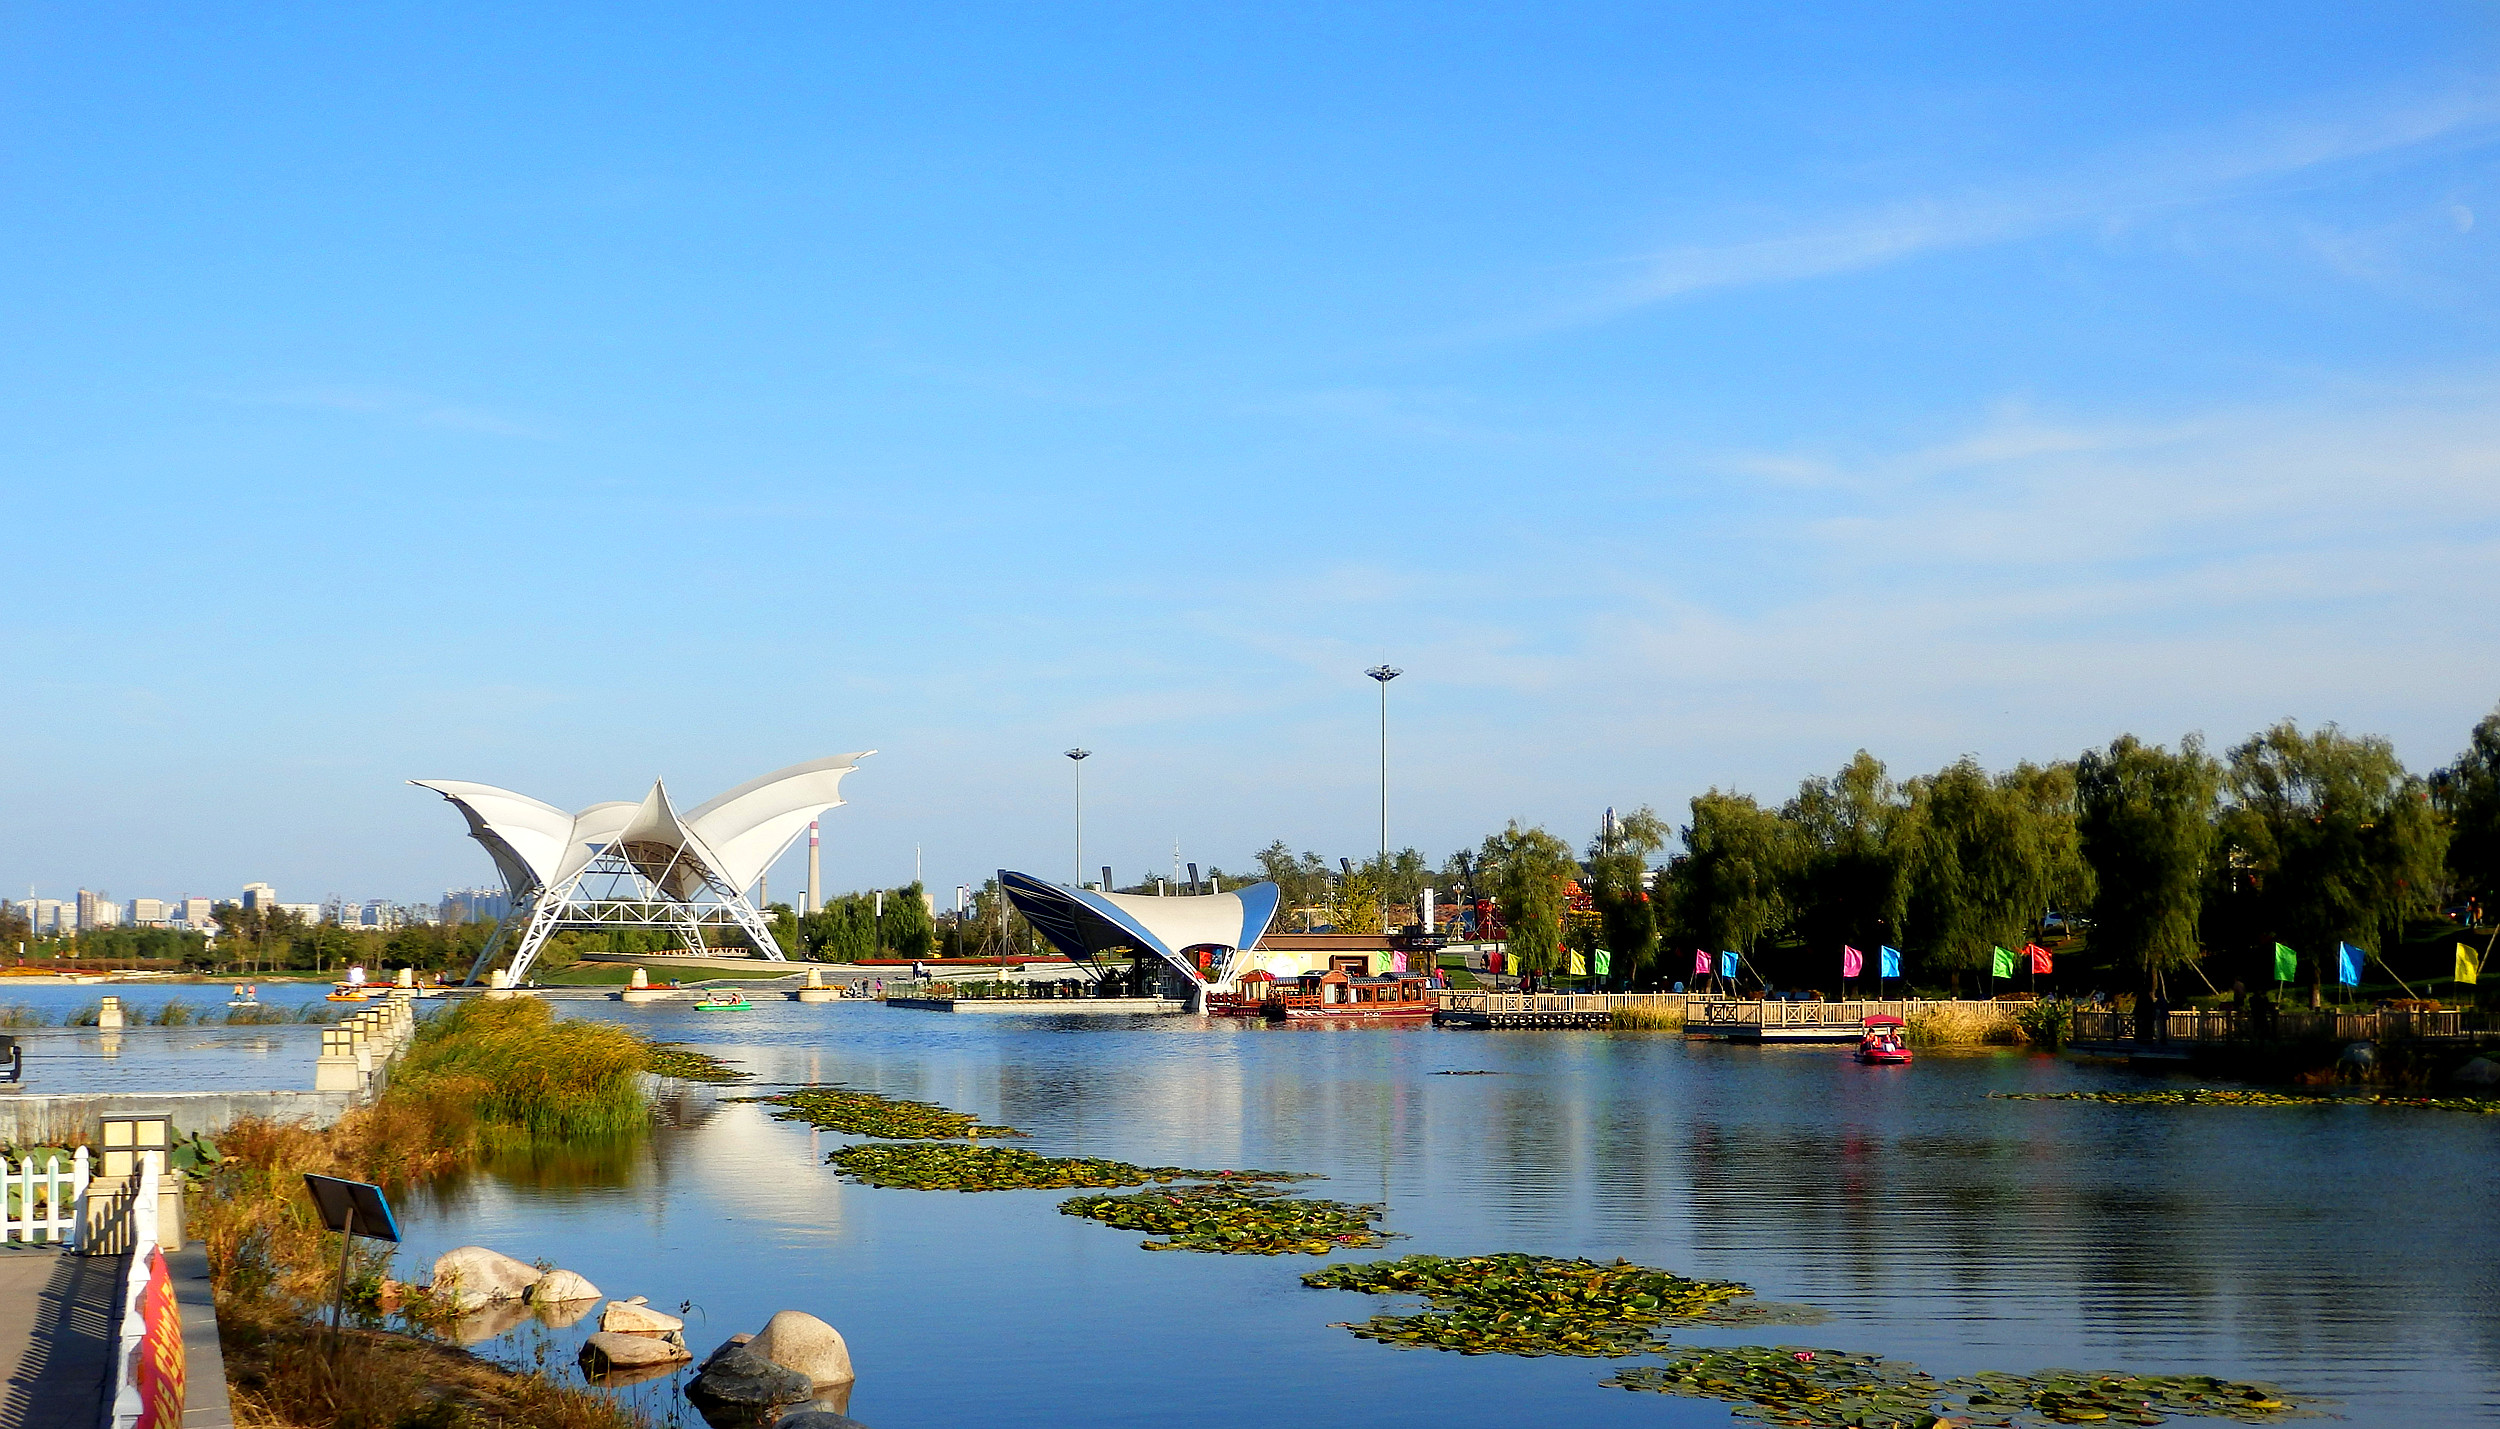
<point x="1886" y="1043"/>
<point x="1336" y="993"/>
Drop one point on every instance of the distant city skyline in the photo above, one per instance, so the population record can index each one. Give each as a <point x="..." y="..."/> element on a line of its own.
<point x="1683" y="398"/>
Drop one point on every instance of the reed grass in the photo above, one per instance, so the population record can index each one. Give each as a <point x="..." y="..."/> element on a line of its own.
<point x="1648" y="1019"/>
<point x="1964" y="1024"/>
<point x="482" y="1077"/>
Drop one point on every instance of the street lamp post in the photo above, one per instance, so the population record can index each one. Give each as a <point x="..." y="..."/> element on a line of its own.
<point x="1384" y="674"/>
<point x="1078" y="757"/>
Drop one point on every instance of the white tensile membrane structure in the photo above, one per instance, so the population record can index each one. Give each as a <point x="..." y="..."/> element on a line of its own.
<point x="626" y="865"/>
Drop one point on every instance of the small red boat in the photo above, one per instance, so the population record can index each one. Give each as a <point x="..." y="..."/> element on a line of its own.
<point x="1886" y="1042"/>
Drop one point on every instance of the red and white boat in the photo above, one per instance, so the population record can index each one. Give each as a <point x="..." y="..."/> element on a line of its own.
<point x="1885" y="1043"/>
<point x="1332" y="995"/>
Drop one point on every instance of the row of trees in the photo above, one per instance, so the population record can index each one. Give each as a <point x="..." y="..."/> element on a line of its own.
<point x="2307" y="838"/>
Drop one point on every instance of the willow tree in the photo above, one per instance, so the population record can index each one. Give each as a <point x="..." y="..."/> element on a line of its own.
<point x="1618" y="866"/>
<point x="2468" y="792"/>
<point x="2344" y="842"/>
<point x="1989" y="857"/>
<point x="1855" y="841"/>
<point x="1729" y="888"/>
<point x="2145" y="821"/>
<point x="1526" y="870"/>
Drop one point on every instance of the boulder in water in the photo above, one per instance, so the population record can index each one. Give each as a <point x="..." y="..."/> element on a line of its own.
<point x="738" y="1379"/>
<point x="633" y="1317"/>
<point x="473" y="1276"/>
<point x="605" y="1350"/>
<point x="561" y="1287"/>
<point x="812" y="1418"/>
<point x="2481" y="1072"/>
<point x="799" y="1341"/>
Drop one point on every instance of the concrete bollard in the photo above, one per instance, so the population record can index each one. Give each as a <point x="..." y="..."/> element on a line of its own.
<point x="640" y="979"/>
<point x="109" y="1019"/>
<point x="336" y="1069"/>
<point x="815" y="989"/>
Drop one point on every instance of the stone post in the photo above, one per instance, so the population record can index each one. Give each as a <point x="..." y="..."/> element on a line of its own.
<point x="109" y="1019"/>
<point x="336" y="1070"/>
<point x="359" y="1047"/>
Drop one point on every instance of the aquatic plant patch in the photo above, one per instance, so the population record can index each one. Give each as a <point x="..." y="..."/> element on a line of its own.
<point x="2063" y="1396"/>
<point x="948" y="1166"/>
<point x="675" y="1059"/>
<point x="1528" y="1304"/>
<point x="871" y="1114"/>
<point x="1235" y="1219"/>
<point x="2227" y="1096"/>
<point x="1782" y="1384"/>
<point x="1787" y="1385"/>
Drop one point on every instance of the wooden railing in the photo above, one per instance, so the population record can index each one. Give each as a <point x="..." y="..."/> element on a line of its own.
<point x="2222" y="1024"/>
<point x="1478" y="1000"/>
<point x="1737" y="1012"/>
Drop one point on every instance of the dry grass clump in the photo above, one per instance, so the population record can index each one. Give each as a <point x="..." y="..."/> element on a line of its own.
<point x="283" y="1374"/>
<point x="1964" y="1024"/>
<point x="1652" y="1018"/>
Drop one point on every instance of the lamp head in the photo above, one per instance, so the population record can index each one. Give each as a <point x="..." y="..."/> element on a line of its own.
<point x="1079" y="753"/>
<point x="1384" y="673"/>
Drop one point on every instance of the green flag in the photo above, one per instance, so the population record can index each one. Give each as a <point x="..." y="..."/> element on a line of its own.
<point x="1603" y="962"/>
<point x="2286" y="964"/>
<point x="2004" y="964"/>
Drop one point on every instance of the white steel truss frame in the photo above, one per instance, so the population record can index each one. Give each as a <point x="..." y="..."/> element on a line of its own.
<point x="626" y="895"/>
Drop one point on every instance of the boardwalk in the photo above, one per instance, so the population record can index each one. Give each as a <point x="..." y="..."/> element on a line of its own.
<point x="57" y="1315"/>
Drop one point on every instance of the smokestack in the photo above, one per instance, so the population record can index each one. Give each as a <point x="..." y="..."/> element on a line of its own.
<point x="814" y="871"/>
<point x="1193" y="878"/>
<point x="1106" y="878"/>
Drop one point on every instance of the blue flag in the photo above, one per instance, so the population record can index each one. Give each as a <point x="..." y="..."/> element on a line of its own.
<point x="2348" y="964"/>
<point x="1727" y="966"/>
<point x="1892" y="962"/>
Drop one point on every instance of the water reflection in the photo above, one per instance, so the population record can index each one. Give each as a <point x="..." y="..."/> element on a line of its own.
<point x="2348" y="1251"/>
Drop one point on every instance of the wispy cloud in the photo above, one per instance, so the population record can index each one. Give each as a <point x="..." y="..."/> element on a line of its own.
<point x="399" y="405"/>
<point x="2118" y="190"/>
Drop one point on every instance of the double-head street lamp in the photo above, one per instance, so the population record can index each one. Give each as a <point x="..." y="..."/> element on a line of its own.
<point x="1079" y="757"/>
<point x="1384" y="674"/>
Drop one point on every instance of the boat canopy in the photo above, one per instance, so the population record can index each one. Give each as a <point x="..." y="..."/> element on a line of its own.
<point x="1884" y="1020"/>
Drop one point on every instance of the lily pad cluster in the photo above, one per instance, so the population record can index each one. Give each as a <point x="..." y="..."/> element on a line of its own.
<point x="871" y="1114"/>
<point x="2063" y="1396"/>
<point x="1782" y="1384"/>
<point x="1786" y="1385"/>
<point x="2229" y="1096"/>
<point x="1528" y="1304"/>
<point x="675" y="1059"/>
<point x="944" y="1166"/>
<point x="1233" y="1218"/>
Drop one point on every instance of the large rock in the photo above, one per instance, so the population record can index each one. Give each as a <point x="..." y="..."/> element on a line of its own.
<point x="738" y="1379"/>
<point x="562" y="1287"/>
<point x="816" y="1419"/>
<point x="473" y="1276"/>
<point x="2481" y="1072"/>
<point x="633" y="1317"/>
<point x="604" y="1351"/>
<point x="798" y="1341"/>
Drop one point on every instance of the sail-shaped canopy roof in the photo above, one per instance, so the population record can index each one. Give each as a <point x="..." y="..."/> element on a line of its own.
<point x="731" y="839"/>
<point x="1082" y="923"/>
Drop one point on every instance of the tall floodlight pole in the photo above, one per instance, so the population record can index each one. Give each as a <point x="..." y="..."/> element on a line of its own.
<point x="1079" y="756"/>
<point x="1384" y="674"/>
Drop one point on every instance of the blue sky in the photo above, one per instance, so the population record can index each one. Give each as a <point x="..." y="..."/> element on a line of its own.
<point x="1683" y="397"/>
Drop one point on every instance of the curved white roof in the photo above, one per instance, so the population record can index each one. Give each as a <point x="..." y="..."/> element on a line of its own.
<point x="734" y="837"/>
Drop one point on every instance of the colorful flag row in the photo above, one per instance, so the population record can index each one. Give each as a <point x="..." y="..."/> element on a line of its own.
<point x="2349" y="961"/>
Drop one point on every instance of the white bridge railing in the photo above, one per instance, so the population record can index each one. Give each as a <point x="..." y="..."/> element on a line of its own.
<point x="55" y="1188"/>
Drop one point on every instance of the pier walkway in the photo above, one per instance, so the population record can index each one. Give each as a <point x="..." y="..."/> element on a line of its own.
<point x="58" y="1313"/>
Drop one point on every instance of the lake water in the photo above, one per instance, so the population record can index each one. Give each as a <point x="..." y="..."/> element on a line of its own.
<point x="2345" y="1252"/>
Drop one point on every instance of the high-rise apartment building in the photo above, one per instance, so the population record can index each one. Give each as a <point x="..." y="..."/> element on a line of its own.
<point x="150" y="912"/>
<point x="96" y="909"/>
<point x="193" y="913"/>
<point x="259" y="897"/>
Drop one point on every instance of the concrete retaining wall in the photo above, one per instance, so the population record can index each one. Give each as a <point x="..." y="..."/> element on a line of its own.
<point x="51" y="1120"/>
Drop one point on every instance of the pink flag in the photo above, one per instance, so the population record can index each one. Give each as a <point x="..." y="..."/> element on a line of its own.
<point x="1397" y="962"/>
<point x="1852" y="962"/>
<point x="2039" y="957"/>
<point x="1701" y="963"/>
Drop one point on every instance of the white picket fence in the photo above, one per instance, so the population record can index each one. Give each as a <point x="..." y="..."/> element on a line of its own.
<point x="58" y="1189"/>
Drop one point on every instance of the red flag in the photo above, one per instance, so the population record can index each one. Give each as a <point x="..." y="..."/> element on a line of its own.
<point x="2039" y="957"/>
<point x="1852" y="962"/>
